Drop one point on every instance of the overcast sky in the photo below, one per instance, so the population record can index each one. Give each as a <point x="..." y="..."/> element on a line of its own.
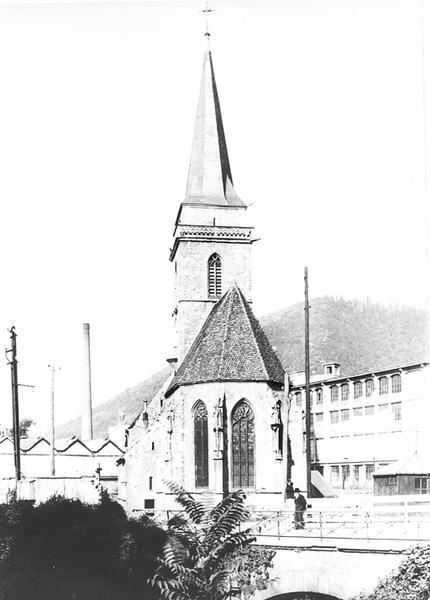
<point x="323" y="109"/>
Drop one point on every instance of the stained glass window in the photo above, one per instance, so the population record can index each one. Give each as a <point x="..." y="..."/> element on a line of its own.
<point x="243" y="433"/>
<point x="201" y="444"/>
<point x="214" y="276"/>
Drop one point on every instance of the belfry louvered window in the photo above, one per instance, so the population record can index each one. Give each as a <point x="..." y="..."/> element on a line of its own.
<point x="243" y="434"/>
<point x="201" y="444"/>
<point x="214" y="276"/>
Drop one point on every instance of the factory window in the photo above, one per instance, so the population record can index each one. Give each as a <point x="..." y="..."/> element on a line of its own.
<point x="370" y="387"/>
<point x="334" y="474"/>
<point x="319" y="417"/>
<point x="383" y="386"/>
<point x="358" y="389"/>
<point x="334" y="416"/>
<point x="214" y="276"/>
<point x="345" y="414"/>
<point x="369" y="472"/>
<point x="397" y="411"/>
<point x="319" y="396"/>
<point x="334" y="391"/>
<point x="243" y="438"/>
<point x="298" y="397"/>
<point x="357" y="474"/>
<point x="358" y="411"/>
<point x="345" y="392"/>
<point x="201" y="445"/>
<point x="396" y="384"/>
<point x="369" y="411"/>
<point x="421" y="485"/>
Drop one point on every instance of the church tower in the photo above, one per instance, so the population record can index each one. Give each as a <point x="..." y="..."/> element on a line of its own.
<point x="212" y="236"/>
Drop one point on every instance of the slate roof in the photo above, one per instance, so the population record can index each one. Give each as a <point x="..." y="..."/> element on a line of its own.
<point x="209" y="177"/>
<point x="231" y="346"/>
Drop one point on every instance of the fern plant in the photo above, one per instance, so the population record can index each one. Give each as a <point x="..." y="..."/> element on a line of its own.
<point x="197" y="557"/>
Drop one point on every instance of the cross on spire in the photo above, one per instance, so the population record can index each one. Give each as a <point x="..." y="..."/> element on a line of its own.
<point x="207" y="11"/>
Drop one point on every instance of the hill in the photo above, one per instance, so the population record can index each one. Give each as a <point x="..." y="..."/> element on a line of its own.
<point x="362" y="336"/>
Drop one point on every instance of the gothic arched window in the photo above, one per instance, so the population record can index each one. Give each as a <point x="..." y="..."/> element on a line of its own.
<point x="243" y="434"/>
<point x="214" y="276"/>
<point x="200" y="415"/>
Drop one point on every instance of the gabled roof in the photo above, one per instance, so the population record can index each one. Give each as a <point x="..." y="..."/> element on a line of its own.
<point x="413" y="465"/>
<point x="209" y="177"/>
<point x="231" y="346"/>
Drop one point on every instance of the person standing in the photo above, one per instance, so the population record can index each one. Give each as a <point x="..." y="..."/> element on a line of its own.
<point x="300" y="508"/>
<point x="289" y="490"/>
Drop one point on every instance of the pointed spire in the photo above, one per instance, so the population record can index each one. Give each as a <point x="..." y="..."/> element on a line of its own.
<point x="209" y="177"/>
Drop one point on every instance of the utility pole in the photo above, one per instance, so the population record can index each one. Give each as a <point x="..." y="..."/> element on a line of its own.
<point x="308" y="392"/>
<point x="15" y="406"/>
<point x="52" y="436"/>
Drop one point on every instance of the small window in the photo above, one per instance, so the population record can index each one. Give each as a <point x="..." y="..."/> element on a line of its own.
<point x="334" y="391"/>
<point x="345" y="414"/>
<point x="346" y="471"/>
<point x="396" y="384"/>
<point x="370" y="387"/>
<point x="358" y="389"/>
<point x="357" y="474"/>
<point x="358" y="411"/>
<point x="369" y="411"/>
<point x="383" y="386"/>
<point x="421" y="485"/>
<point x="345" y="392"/>
<point x="319" y="417"/>
<point x="149" y="503"/>
<point x="311" y="397"/>
<point x="214" y="276"/>
<point x="298" y="398"/>
<point x="334" y="474"/>
<point x="319" y="396"/>
<point x="329" y="370"/>
<point x="150" y="483"/>
<point x="383" y="407"/>
<point x="396" y="407"/>
<point x="369" y="472"/>
<point x="152" y="445"/>
<point x="334" y="416"/>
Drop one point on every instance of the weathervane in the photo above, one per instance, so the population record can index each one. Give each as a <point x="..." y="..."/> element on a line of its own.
<point x="207" y="11"/>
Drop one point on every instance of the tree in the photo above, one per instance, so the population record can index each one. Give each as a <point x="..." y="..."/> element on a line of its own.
<point x="205" y="550"/>
<point x="24" y="426"/>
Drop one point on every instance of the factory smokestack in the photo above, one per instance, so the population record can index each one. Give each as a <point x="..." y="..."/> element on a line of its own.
<point x="87" y="409"/>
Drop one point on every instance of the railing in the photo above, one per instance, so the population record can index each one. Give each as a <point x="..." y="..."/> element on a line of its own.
<point x="409" y="525"/>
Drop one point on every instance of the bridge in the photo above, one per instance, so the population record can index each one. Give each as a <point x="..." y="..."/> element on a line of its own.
<point x="339" y="553"/>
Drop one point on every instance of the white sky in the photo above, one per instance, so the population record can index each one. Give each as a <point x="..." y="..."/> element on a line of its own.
<point x="323" y="109"/>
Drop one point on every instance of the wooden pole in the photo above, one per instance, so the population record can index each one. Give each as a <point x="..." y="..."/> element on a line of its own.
<point x="52" y="437"/>
<point x="308" y="392"/>
<point x="15" y="405"/>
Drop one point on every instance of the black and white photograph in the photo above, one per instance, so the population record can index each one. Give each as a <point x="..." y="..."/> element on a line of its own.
<point x="215" y="300"/>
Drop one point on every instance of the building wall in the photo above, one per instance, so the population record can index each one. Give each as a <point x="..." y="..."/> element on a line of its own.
<point x="372" y="431"/>
<point x="162" y="448"/>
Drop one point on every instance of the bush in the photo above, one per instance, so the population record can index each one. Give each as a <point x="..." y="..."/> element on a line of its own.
<point x="411" y="581"/>
<point x="65" y="549"/>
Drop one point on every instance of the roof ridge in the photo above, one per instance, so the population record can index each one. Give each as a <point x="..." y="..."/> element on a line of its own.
<point x="245" y="307"/>
<point x="227" y="324"/>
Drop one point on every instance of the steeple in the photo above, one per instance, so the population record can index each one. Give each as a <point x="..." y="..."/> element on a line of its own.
<point x="209" y="177"/>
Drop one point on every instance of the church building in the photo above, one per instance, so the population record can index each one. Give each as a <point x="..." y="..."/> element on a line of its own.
<point x="217" y="424"/>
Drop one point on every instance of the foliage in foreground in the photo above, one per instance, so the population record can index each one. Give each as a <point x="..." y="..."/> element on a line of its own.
<point x="64" y="549"/>
<point x="206" y="551"/>
<point x="411" y="581"/>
